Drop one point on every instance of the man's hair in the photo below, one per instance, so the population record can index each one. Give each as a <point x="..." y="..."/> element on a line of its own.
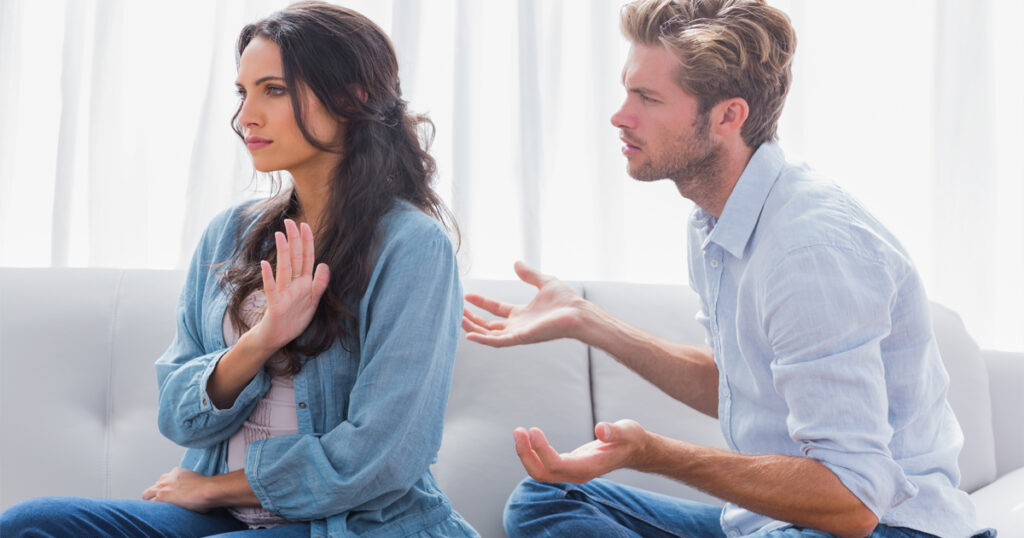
<point x="726" y="49"/>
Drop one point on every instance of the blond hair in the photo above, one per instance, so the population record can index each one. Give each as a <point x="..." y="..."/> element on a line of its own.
<point x="726" y="49"/>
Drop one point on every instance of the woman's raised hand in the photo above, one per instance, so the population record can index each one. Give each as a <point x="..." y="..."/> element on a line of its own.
<point x="295" y="291"/>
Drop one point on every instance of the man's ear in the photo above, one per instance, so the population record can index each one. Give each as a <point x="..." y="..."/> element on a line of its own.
<point x="729" y="116"/>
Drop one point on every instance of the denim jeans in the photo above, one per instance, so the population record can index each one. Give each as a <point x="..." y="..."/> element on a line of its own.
<point x="601" y="508"/>
<point x="79" y="516"/>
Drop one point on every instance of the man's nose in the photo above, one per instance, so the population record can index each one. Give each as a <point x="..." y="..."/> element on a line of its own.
<point x="622" y="120"/>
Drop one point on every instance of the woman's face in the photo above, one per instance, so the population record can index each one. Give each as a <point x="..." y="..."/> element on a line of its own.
<point x="268" y="121"/>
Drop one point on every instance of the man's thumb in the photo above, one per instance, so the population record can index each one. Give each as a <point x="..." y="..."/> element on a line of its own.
<point x="605" y="432"/>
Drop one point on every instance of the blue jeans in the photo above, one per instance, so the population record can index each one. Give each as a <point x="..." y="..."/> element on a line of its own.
<point x="601" y="508"/>
<point x="79" y="516"/>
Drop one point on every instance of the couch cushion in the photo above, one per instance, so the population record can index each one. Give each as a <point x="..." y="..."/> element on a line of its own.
<point x="55" y="370"/>
<point x="969" y="397"/>
<point x="1006" y="383"/>
<point x="494" y="391"/>
<point x="144" y="326"/>
<point x="669" y="312"/>
<point x="83" y="342"/>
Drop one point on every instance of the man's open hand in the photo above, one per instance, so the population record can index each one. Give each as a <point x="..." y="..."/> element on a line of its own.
<point x="622" y="444"/>
<point x="553" y="313"/>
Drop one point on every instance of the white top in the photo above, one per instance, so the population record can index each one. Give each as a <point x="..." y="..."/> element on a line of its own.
<point x="274" y="414"/>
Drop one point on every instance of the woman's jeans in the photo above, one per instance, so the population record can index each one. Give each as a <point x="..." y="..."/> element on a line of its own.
<point x="79" y="516"/>
<point x="601" y="508"/>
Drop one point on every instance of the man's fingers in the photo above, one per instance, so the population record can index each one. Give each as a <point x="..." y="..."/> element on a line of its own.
<point x="497" y="308"/>
<point x="547" y="454"/>
<point x="531" y="276"/>
<point x="481" y="322"/>
<point x="528" y="457"/>
<point x="490" y="339"/>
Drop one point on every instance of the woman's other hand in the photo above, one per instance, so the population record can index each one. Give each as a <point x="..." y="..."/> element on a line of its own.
<point x="181" y="487"/>
<point x="295" y="291"/>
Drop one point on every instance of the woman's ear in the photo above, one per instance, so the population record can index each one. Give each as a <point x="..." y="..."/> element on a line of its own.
<point x="359" y="92"/>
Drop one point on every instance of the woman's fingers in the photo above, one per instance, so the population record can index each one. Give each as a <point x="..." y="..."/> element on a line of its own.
<point x="321" y="278"/>
<point x="284" y="261"/>
<point x="307" y="249"/>
<point x="269" y="289"/>
<point x="294" y="247"/>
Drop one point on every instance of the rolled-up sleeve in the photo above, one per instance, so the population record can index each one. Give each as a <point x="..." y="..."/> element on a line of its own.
<point x="408" y="329"/>
<point x="186" y="415"/>
<point x="826" y="311"/>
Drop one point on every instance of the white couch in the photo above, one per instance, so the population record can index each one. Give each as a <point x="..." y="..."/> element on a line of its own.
<point x="78" y="394"/>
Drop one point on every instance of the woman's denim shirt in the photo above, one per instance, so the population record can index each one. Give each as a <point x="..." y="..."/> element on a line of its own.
<point x="369" y="419"/>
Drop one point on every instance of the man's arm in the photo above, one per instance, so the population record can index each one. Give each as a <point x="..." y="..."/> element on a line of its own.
<point x="684" y="372"/>
<point x="798" y="490"/>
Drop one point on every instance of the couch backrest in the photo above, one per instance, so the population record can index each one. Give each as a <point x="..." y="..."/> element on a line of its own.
<point x="78" y="389"/>
<point x="77" y="384"/>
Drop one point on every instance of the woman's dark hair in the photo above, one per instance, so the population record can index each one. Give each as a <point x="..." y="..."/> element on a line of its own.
<point x="350" y="66"/>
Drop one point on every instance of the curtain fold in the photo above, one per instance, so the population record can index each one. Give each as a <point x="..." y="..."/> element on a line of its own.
<point x="116" y="149"/>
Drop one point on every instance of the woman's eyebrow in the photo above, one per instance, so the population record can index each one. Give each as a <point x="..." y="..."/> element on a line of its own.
<point x="261" y="81"/>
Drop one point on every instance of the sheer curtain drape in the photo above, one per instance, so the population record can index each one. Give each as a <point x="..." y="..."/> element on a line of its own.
<point x="115" y="148"/>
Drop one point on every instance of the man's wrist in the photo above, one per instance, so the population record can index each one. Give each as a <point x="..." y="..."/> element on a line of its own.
<point x="591" y="324"/>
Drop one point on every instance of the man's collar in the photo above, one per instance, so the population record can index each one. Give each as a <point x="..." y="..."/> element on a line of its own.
<point x="743" y="208"/>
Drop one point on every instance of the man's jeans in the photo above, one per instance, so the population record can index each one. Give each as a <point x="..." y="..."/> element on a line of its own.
<point x="601" y="508"/>
<point x="78" y="516"/>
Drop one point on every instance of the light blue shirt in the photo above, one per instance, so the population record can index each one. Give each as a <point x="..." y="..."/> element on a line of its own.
<point x="823" y="341"/>
<point x="369" y="418"/>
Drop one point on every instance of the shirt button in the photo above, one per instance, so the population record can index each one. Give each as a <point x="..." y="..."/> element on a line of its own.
<point x="302" y="405"/>
<point x="204" y="401"/>
<point x="714" y="263"/>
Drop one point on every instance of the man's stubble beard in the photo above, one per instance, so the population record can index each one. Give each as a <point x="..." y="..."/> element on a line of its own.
<point x="693" y="162"/>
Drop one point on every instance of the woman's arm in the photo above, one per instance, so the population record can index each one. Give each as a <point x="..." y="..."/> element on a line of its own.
<point x="292" y="299"/>
<point x="196" y="407"/>
<point x="409" y="328"/>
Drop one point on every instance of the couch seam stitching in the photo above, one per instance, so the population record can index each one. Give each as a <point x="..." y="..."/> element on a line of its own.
<point x="109" y="418"/>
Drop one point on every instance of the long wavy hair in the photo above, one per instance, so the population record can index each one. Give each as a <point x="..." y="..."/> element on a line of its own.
<point x="350" y="66"/>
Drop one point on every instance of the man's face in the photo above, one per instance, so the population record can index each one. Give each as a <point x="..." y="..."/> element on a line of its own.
<point x="663" y="134"/>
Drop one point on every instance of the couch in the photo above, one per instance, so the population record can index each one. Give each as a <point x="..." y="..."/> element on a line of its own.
<point x="78" y="394"/>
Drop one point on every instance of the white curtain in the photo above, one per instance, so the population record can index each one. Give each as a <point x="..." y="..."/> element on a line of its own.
<point x="115" y="148"/>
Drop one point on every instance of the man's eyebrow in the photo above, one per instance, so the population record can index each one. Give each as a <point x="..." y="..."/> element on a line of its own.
<point x="644" y="91"/>
<point x="261" y="81"/>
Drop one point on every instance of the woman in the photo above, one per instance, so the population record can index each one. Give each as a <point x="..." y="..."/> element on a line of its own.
<point x="317" y="329"/>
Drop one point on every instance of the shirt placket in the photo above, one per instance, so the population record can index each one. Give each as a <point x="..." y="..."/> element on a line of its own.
<point x="714" y="268"/>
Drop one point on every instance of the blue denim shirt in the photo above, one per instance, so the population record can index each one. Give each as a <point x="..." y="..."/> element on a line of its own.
<point x="823" y="340"/>
<point x="369" y="420"/>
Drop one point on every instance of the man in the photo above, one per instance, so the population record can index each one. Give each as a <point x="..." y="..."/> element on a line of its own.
<point x="821" y="365"/>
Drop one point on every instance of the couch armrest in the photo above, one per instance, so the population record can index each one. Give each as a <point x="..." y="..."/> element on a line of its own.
<point x="1006" y="377"/>
<point x="1001" y="504"/>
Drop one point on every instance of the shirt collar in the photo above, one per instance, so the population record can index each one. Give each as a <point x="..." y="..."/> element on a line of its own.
<point x="734" y="227"/>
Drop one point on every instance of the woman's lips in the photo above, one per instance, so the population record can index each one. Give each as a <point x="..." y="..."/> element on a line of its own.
<point x="255" y="142"/>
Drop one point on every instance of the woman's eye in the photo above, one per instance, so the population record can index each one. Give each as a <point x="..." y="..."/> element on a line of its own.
<point x="275" y="90"/>
<point x="241" y="94"/>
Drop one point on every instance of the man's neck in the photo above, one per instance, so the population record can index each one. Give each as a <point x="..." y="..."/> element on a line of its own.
<point x="713" y="193"/>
